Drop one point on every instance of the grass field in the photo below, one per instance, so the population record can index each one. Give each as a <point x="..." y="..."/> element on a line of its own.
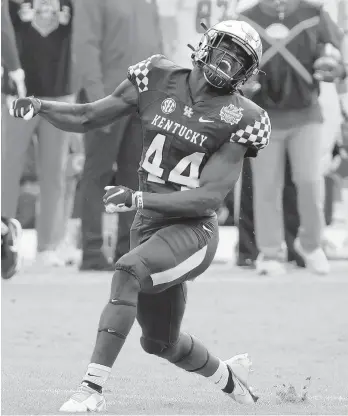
<point x="293" y="327"/>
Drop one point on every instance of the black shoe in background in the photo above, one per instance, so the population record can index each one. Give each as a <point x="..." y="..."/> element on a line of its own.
<point x="294" y="257"/>
<point x="245" y="263"/>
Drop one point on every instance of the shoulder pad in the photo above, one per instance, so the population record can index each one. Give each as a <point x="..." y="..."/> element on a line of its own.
<point x="142" y="73"/>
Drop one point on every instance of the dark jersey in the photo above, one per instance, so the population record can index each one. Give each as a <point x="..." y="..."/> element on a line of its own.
<point x="43" y="33"/>
<point x="290" y="48"/>
<point x="179" y="136"/>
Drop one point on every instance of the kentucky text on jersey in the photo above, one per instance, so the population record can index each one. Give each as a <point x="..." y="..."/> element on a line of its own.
<point x="179" y="129"/>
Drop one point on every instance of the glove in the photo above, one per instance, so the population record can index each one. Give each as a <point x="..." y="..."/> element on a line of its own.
<point x="121" y="199"/>
<point x="25" y="108"/>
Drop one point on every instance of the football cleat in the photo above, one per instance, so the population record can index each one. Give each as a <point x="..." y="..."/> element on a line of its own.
<point x="269" y="267"/>
<point x="316" y="260"/>
<point x="84" y="400"/>
<point x="241" y="367"/>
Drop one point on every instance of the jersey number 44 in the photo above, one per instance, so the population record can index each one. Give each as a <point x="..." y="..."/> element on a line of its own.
<point x="158" y="171"/>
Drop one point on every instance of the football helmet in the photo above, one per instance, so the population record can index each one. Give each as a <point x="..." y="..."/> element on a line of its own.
<point x="229" y="53"/>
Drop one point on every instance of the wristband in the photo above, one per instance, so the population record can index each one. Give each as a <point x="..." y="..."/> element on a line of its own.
<point x="37" y="101"/>
<point x="139" y="202"/>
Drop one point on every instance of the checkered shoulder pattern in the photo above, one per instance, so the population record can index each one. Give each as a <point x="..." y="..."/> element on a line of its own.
<point x="255" y="134"/>
<point x="138" y="74"/>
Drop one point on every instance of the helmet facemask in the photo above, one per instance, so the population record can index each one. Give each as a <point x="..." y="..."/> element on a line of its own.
<point x="225" y="63"/>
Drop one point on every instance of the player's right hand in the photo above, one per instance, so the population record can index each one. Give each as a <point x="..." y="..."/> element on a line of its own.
<point x="25" y="108"/>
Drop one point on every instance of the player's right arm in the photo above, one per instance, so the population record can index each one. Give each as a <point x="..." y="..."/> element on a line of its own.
<point x="80" y="117"/>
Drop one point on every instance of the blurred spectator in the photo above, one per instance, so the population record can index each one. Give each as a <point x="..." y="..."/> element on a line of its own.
<point x="69" y="248"/>
<point x="338" y="171"/>
<point x="292" y="32"/>
<point x="247" y="251"/>
<point x="10" y="61"/>
<point x="43" y="32"/>
<point x="109" y="36"/>
<point x="12" y="82"/>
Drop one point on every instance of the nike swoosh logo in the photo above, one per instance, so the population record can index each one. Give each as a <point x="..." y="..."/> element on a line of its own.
<point x="121" y="191"/>
<point x="203" y="120"/>
<point x="207" y="229"/>
<point x="92" y="375"/>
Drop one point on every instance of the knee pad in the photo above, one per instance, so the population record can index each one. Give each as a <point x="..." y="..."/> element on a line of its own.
<point x="172" y="352"/>
<point x="134" y="265"/>
<point x="152" y="346"/>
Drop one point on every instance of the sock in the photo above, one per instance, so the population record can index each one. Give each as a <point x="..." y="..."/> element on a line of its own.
<point x="191" y="355"/>
<point x="222" y="378"/>
<point x="96" y="376"/>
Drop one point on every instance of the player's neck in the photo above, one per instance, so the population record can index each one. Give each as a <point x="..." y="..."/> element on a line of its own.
<point x="200" y="90"/>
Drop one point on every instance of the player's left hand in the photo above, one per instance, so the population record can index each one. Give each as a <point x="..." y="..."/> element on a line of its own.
<point x="119" y="199"/>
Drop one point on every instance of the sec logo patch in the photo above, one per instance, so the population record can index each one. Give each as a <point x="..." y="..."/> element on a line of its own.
<point x="168" y="105"/>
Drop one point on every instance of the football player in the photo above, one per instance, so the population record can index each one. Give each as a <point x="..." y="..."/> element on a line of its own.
<point x="197" y="129"/>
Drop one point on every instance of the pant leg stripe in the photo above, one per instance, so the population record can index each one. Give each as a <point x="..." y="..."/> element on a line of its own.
<point x="181" y="269"/>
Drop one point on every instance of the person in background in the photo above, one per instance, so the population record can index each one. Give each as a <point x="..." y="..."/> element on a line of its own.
<point x="108" y="36"/>
<point x="188" y="16"/>
<point x="247" y="250"/>
<point x="13" y="85"/>
<point x="43" y="32"/>
<point x="339" y="169"/>
<point x="10" y="61"/>
<point x="291" y="33"/>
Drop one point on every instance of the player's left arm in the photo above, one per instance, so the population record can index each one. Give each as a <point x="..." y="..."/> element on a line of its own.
<point x="218" y="177"/>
